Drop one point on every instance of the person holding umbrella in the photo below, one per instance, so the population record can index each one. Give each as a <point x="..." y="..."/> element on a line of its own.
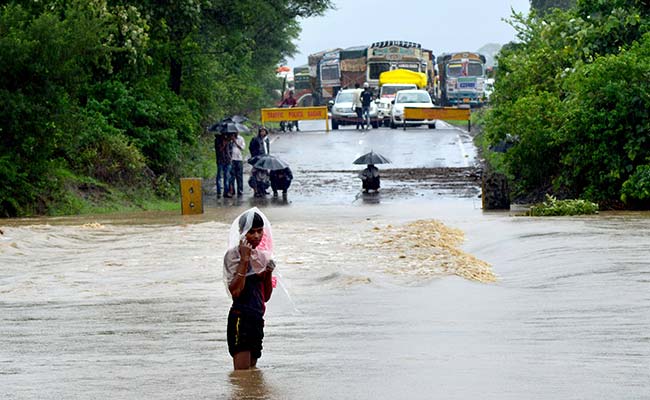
<point x="223" y="150"/>
<point x="370" y="178"/>
<point x="225" y="132"/>
<point x="280" y="175"/>
<point x="259" y="147"/>
<point x="370" y="175"/>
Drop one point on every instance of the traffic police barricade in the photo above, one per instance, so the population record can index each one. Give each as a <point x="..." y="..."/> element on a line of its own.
<point x="295" y="114"/>
<point x="441" y="113"/>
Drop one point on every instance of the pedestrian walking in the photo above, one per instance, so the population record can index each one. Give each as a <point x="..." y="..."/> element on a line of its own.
<point x="247" y="272"/>
<point x="237" y="169"/>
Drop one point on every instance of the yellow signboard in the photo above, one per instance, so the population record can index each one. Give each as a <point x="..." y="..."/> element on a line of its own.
<point x="293" y="114"/>
<point x="445" y="114"/>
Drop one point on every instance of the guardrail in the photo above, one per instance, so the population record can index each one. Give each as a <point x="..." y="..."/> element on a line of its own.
<point x="441" y="113"/>
<point x="295" y="114"/>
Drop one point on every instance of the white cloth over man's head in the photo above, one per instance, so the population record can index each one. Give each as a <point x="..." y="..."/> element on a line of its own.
<point x="260" y="255"/>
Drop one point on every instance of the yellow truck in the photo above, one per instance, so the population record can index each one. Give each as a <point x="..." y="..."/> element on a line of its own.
<point x="391" y="82"/>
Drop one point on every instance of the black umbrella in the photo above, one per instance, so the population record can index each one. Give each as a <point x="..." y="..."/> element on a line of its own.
<point x="238" y="119"/>
<point x="268" y="161"/>
<point x="372" y="158"/>
<point x="230" y="125"/>
<point x="233" y="127"/>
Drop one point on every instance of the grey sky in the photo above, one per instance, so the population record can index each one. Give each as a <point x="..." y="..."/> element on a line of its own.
<point x="442" y="26"/>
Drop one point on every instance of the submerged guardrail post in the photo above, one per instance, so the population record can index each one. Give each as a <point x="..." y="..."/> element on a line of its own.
<point x="495" y="193"/>
<point x="191" y="196"/>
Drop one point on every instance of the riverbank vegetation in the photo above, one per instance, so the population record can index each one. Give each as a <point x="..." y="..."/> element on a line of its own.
<point x="107" y="101"/>
<point x="571" y="100"/>
<point x="554" y="207"/>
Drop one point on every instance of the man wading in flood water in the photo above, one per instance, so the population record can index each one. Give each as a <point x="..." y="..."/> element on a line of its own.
<point x="247" y="271"/>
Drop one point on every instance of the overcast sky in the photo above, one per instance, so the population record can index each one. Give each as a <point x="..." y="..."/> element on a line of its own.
<point x="439" y="25"/>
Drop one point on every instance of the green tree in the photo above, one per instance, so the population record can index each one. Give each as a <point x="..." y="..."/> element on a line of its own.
<point x="544" y="6"/>
<point x="118" y="92"/>
<point x="573" y="93"/>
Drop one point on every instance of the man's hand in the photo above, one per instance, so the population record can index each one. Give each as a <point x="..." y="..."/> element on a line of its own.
<point x="245" y="249"/>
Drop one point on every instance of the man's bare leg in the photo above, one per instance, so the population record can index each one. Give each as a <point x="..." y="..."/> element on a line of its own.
<point x="242" y="360"/>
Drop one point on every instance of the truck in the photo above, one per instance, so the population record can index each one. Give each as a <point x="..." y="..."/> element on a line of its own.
<point x="303" y="88"/>
<point x="393" y="54"/>
<point x="462" y="78"/>
<point x="391" y="82"/>
<point x="353" y="66"/>
<point x="432" y="74"/>
<point x="314" y="62"/>
<point x="329" y="69"/>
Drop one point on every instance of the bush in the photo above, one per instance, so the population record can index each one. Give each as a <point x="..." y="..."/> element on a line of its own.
<point x="636" y="190"/>
<point x="555" y="207"/>
<point x="606" y="136"/>
<point x="532" y="122"/>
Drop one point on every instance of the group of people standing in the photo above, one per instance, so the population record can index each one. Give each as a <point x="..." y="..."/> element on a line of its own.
<point x="229" y="148"/>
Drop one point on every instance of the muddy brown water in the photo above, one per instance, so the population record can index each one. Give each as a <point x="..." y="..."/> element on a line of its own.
<point x="133" y="306"/>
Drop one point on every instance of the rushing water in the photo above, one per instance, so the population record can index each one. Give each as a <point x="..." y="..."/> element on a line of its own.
<point x="134" y="307"/>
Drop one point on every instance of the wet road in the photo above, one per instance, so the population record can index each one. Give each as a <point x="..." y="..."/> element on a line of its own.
<point x="425" y="164"/>
<point x="132" y="306"/>
<point x="416" y="147"/>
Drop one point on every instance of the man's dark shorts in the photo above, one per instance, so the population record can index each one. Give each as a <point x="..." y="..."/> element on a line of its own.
<point x="245" y="333"/>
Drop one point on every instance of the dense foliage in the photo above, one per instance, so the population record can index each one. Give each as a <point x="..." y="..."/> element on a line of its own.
<point x="543" y="6"/>
<point x="116" y="94"/>
<point x="574" y="93"/>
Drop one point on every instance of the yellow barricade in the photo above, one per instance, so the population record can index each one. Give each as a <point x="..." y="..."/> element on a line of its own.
<point x="295" y="114"/>
<point x="444" y="114"/>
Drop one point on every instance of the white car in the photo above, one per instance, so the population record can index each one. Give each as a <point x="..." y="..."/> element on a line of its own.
<point x="343" y="113"/>
<point x="410" y="98"/>
<point x="386" y="95"/>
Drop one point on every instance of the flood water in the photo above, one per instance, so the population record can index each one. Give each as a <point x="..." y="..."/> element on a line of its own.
<point x="134" y="307"/>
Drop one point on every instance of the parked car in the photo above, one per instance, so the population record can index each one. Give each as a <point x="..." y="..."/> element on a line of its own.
<point x="343" y="113"/>
<point x="410" y="98"/>
<point x="386" y="96"/>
